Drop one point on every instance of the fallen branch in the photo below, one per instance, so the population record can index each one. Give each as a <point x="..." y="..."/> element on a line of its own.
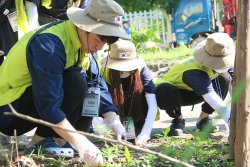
<point x="39" y="121"/>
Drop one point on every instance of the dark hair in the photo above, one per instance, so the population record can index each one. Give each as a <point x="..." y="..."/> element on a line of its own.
<point x="127" y="95"/>
<point x="108" y="39"/>
<point x="124" y="22"/>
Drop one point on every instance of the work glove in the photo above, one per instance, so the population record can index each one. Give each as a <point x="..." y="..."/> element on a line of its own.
<point x="113" y="123"/>
<point x="88" y="152"/>
<point x="144" y="136"/>
<point x="99" y="126"/>
<point x="142" y="139"/>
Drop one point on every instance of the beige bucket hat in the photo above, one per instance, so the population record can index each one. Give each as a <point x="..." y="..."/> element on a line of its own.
<point x="100" y="17"/>
<point x="123" y="57"/>
<point x="217" y="52"/>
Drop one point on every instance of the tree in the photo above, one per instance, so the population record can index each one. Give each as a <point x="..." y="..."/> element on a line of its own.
<point x="141" y="5"/>
<point x="240" y="137"/>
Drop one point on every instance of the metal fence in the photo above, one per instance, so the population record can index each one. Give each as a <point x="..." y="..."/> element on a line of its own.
<point x="144" y="20"/>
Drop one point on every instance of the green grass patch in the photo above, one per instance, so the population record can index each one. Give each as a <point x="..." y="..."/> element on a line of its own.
<point x="165" y="54"/>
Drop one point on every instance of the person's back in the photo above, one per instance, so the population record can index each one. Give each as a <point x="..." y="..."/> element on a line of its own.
<point x="56" y="10"/>
<point x="26" y="14"/>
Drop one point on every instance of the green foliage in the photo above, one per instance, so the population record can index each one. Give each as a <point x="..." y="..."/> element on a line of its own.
<point x="200" y="152"/>
<point x="140" y="38"/>
<point x="127" y="154"/>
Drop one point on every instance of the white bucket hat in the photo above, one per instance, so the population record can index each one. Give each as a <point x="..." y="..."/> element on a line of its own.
<point x="123" y="57"/>
<point x="217" y="52"/>
<point x="100" y="17"/>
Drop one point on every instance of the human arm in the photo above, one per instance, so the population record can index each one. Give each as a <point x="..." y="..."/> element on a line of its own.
<point x="107" y="110"/>
<point x="149" y="88"/>
<point x="32" y="14"/>
<point x="218" y="104"/>
<point x="200" y="82"/>
<point x="142" y="138"/>
<point x="90" y="154"/>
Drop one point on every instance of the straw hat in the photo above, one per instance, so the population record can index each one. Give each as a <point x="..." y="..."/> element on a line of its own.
<point x="217" y="52"/>
<point x="100" y="17"/>
<point x="123" y="57"/>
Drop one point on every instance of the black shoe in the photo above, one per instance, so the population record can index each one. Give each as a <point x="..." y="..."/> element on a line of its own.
<point x="206" y="125"/>
<point x="176" y="128"/>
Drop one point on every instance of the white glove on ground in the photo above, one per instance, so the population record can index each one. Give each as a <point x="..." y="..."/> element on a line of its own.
<point x="144" y="136"/>
<point x="88" y="152"/>
<point x="113" y="123"/>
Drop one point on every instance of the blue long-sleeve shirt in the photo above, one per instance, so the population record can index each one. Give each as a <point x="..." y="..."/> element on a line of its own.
<point x="47" y="80"/>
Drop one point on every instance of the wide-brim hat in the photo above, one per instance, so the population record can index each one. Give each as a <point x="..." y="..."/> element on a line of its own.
<point x="123" y="57"/>
<point x="216" y="52"/>
<point x="100" y="17"/>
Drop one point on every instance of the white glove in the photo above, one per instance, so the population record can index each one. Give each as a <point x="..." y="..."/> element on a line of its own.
<point x="113" y="123"/>
<point x="218" y="104"/>
<point x="99" y="126"/>
<point x="144" y="136"/>
<point x="88" y="152"/>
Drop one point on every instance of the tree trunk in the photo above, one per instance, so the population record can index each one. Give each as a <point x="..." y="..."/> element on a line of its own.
<point x="242" y="132"/>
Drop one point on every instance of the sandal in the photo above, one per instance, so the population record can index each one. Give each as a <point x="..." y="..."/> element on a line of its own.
<point x="7" y="141"/>
<point x="48" y="146"/>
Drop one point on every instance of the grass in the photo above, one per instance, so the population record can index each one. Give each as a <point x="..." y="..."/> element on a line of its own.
<point x="197" y="151"/>
<point x="165" y="54"/>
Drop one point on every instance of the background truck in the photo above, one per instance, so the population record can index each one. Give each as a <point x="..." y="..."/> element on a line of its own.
<point x="194" y="20"/>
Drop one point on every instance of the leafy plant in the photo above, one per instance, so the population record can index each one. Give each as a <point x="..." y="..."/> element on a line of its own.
<point x="142" y="38"/>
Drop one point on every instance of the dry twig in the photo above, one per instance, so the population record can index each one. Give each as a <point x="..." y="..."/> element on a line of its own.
<point x="39" y="121"/>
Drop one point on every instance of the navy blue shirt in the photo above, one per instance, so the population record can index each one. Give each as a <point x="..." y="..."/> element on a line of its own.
<point x="46" y="61"/>
<point x="199" y="81"/>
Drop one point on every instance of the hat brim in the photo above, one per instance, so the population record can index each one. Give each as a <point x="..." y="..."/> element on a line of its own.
<point x="211" y="62"/>
<point x="123" y="65"/>
<point x="78" y="17"/>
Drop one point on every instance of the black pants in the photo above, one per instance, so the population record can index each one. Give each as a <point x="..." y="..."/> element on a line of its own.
<point x="75" y="88"/>
<point x="172" y="99"/>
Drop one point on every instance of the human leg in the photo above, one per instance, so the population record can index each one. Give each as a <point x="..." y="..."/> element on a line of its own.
<point x="75" y="88"/>
<point x="168" y="99"/>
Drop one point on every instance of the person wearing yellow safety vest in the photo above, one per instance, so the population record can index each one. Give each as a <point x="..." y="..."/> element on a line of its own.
<point x="47" y="73"/>
<point x="14" y="14"/>
<point x="132" y="89"/>
<point x="203" y="78"/>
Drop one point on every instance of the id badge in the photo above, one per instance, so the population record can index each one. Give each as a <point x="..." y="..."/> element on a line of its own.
<point x="91" y="103"/>
<point x="128" y="123"/>
<point x="12" y="17"/>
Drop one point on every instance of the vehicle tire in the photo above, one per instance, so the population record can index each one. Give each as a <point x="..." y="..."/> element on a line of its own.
<point x="196" y="41"/>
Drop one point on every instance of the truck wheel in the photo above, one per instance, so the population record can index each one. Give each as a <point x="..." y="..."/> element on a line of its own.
<point x="196" y="41"/>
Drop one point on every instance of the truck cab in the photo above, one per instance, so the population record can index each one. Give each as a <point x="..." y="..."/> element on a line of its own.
<point x="192" y="21"/>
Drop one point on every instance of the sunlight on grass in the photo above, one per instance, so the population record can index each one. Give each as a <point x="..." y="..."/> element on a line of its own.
<point x="165" y="54"/>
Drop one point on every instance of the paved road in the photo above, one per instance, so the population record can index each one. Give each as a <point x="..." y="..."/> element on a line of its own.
<point x="190" y="118"/>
